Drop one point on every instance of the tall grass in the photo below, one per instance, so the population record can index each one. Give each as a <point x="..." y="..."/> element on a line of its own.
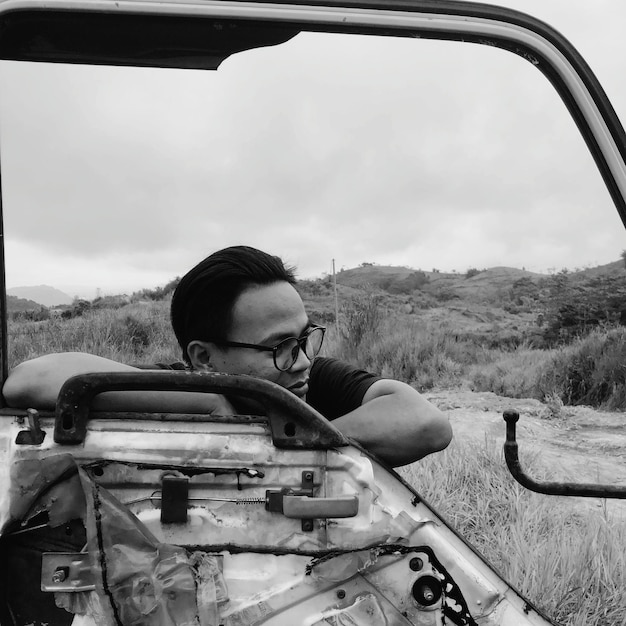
<point x="569" y="561"/>
<point x="374" y="336"/>
<point x="424" y="355"/>
<point x="511" y="373"/>
<point x="137" y="333"/>
<point x="591" y="370"/>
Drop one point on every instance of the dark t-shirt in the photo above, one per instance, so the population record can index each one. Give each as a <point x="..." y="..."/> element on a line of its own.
<point x="335" y="387"/>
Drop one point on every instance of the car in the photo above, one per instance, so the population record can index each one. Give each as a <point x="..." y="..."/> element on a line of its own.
<point x="276" y="518"/>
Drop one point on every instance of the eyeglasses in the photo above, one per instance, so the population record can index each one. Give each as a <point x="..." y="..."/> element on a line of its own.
<point x="286" y="352"/>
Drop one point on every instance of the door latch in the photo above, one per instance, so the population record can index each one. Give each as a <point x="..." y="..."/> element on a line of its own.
<point x="34" y="436"/>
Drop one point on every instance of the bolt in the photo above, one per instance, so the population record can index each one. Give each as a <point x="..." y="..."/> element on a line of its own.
<point x="341" y="594"/>
<point x="308" y="476"/>
<point x="429" y="595"/>
<point x="416" y="564"/>
<point x="59" y="575"/>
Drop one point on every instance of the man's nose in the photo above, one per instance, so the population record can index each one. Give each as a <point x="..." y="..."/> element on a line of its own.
<point x="302" y="362"/>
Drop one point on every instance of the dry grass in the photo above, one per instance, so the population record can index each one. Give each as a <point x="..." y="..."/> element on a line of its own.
<point x="136" y="333"/>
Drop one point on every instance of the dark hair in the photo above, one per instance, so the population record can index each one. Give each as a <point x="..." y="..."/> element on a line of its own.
<point x="203" y="301"/>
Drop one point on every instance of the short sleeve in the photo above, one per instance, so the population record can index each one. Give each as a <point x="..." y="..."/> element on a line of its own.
<point x="336" y="388"/>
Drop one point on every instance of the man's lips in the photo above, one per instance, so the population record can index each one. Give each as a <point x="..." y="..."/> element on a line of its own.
<point x="300" y="388"/>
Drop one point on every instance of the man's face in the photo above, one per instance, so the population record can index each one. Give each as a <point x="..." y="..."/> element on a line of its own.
<point x="265" y="315"/>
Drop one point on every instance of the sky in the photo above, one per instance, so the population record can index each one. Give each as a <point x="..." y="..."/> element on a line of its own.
<point x="353" y="149"/>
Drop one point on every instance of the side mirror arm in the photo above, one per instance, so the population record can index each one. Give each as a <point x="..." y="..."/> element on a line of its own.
<point x="585" y="490"/>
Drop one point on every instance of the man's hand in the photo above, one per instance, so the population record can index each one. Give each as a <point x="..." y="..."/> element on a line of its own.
<point x="218" y="404"/>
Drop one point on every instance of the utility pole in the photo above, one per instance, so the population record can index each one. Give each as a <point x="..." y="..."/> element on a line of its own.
<point x="336" y="300"/>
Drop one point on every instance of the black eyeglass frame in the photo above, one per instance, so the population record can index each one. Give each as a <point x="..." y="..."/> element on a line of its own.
<point x="301" y="342"/>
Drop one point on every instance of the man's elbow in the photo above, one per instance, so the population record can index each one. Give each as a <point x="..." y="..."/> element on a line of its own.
<point x="25" y="388"/>
<point x="15" y="391"/>
<point x="441" y="434"/>
<point x="434" y="436"/>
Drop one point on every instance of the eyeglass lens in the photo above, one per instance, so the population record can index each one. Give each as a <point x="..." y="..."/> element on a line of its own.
<point x="287" y="351"/>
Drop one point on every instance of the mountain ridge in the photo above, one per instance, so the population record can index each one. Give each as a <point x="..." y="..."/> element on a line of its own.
<point x="44" y="295"/>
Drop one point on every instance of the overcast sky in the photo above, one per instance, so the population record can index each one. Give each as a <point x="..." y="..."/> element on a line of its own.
<point x="426" y="154"/>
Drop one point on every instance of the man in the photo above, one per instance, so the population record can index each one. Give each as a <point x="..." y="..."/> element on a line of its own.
<point x="238" y="312"/>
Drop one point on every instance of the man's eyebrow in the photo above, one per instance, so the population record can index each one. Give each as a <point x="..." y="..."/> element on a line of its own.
<point x="278" y="337"/>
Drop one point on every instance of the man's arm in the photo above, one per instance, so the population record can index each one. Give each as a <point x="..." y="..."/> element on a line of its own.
<point x="36" y="384"/>
<point x="396" y="423"/>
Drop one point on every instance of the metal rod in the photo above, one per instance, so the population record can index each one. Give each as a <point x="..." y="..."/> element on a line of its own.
<point x="4" y="339"/>
<point x="585" y="490"/>
<point x="336" y="300"/>
<point x="157" y="496"/>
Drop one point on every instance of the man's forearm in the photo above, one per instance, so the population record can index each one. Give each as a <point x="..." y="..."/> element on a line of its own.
<point x="399" y="427"/>
<point x="36" y="384"/>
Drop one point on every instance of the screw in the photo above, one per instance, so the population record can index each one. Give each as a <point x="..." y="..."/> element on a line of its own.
<point x="59" y="575"/>
<point x="416" y="564"/>
<point x="341" y="594"/>
<point x="308" y="476"/>
<point x="429" y="595"/>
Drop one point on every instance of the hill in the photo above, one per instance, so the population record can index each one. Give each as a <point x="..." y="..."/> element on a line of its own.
<point x="482" y="286"/>
<point x="478" y="286"/>
<point x="41" y="294"/>
<point x="616" y="268"/>
<point x="15" y="304"/>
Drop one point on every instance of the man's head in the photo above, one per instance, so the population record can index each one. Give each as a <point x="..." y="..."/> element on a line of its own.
<point x="240" y="295"/>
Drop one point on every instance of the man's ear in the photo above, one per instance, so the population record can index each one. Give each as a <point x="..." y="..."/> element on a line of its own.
<point x="200" y="355"/>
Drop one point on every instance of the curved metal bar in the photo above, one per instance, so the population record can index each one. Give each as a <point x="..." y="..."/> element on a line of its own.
<point x="293" y="423"/>
<point x="585" y="490"/>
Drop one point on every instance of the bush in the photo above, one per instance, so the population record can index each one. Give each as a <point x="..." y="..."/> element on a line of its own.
<point x="406" y="285"/>
<point x="37" y="315"/>
<point x="158" y="293"/>
<point x="78" y="308"/>
<point x="512" y="374"/>
<point x="573" y="309"/>
<point x="592" y="371"/>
